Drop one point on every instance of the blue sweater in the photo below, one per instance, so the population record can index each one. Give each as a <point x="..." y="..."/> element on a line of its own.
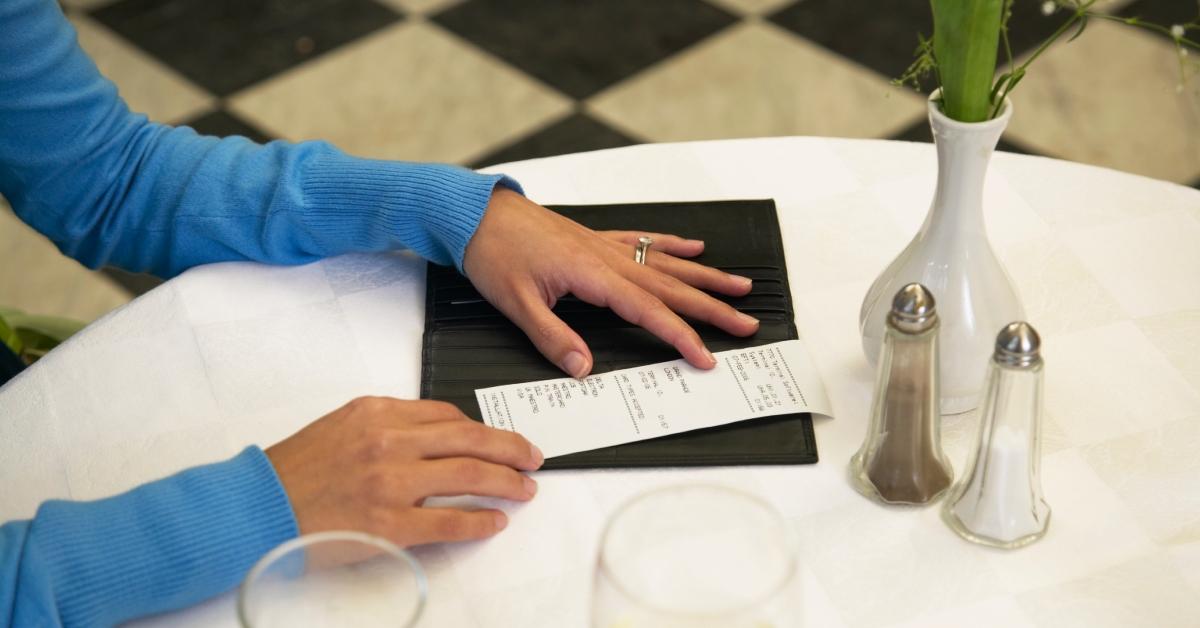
<point x="109" y="187"/>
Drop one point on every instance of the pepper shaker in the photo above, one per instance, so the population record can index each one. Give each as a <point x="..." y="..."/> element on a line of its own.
<point x="999" y="501"/>
<point x="901" y="459"/>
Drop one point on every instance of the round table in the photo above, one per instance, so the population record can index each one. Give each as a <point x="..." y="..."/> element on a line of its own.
<point x="1108" y="265"/>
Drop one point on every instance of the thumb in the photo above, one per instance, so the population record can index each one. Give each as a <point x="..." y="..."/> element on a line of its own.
<point x="552" y="337"/>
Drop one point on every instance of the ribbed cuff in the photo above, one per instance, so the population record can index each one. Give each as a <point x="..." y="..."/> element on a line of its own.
<point x="353" y="204"/>
<point x="164" y="545"/>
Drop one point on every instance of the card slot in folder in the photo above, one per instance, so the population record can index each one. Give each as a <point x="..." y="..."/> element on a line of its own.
<point x="762" y="303"/>
<point x="513" y="340"/>
<point x="597" y="319"/>
<point x="508" y="337"/>
<point x="758" y="292"/>
<point x="451" y="281"/>
<point x="453" y="356"/>
<point x="468" y="345"/>
<point x="467" y="299"/>
<point x="503" y="373"/>
<point x="468" y="295"/>
<point x="611" y="345"/>
<point x="472" y="380"/>
<point x="449" y="389"/>
<point x="637" y="342"/>
<point x="606" y="319"/>
<point x="747" y="267"/>
<point x="755" y="274"/>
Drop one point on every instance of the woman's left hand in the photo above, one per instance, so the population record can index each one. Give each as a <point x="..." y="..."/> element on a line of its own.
<point x="524" y="257"/>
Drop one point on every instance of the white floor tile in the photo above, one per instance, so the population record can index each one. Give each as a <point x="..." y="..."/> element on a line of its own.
<point x="1126" y="114"/>
<point x="147" y="85"/>
<point x="752" y="80"/>
<point x="420" y="7"/>
<point x="411" y="91"/>
<point x="751" y="7"/>
<point x="36" y="278"/>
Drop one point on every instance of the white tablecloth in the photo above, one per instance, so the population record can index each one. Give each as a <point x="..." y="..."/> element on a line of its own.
<point x="1108" y="265"/>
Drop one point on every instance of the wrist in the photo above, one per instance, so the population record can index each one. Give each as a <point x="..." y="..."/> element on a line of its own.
<point x="363" y="205"/>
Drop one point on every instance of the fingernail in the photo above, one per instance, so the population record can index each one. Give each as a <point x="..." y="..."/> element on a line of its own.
<point x="744" y="282"/>
<point x="538" y="457"/>
<point x="501" y="521"/>
<point x="530" y="486"/>
<point x="746" y="318"/>
<point x="575" y="364"/>
<point x="695" y="241"/>
<point x="712" y="359"/>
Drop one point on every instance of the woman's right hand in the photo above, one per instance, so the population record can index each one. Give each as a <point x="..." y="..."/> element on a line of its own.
<point x="370" y="464"/>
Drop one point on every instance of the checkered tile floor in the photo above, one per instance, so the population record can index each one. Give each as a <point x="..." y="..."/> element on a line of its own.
<point x="478" y="82"/>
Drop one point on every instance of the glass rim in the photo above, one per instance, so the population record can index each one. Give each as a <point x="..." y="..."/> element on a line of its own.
<point x="789" y="540"/>
<point x="309" y="540"/>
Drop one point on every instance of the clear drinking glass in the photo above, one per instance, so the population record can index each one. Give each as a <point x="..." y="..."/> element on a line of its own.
<point x="697" y="556"/>
<point x="339" y="578"/>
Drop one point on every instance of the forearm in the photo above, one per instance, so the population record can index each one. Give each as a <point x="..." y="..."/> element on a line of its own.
<point x="107" y="186"/>
<point x="193" y="200"/>
<point x="162" y="546"/>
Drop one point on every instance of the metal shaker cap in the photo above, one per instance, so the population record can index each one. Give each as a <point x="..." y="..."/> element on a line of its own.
<point x="1018" y="345"/>
<point x="913" y="309"/>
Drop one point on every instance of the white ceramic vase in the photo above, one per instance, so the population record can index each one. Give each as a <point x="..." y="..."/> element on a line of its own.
<point x="952" y="257"/>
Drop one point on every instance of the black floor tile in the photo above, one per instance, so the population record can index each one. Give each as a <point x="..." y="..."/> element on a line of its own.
<point x="920" y="132"/>
<point x="886" y="41"/>
<point x="583" y="46"/>
<point x="135" y="284"/>
<point x="576" y="133"/>
<point x="883" y="40"/>
<point x="221" y="123"/>
<point x="1164" y="12"/>
<point x="10" y="364"/>
<point x="225" y="45"/>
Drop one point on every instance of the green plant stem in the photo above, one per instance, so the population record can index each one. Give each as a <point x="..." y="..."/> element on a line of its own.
<point x="1003" y="92"/>
<point x="1158" y="28"/>
<point x="1004" y="17"/>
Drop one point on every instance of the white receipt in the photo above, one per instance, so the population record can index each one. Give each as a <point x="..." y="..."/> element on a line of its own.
<point x="563" y="416"/>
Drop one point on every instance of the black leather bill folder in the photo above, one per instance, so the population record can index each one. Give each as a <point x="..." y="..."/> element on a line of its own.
<point x="469" y="345"/>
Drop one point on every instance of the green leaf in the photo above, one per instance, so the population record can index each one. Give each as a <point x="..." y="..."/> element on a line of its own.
<point x="998" y="99"/>
<point x="1016" y="78"/>
<point x="31" y="336"/>
<point x="966" y="35"/>
<point x="9" y="337"/>
<point x="1083" y="22"/>
<point x="998" y="86"/>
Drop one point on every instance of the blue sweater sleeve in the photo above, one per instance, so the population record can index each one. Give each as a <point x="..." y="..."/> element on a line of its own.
<point x="109" y="187"/>
<point x="162" y="546"/>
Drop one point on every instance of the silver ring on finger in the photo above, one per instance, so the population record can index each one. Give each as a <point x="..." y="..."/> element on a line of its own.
<point x="643" y="245"/>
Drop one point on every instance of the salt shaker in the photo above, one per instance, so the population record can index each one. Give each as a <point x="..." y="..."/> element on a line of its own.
<point x="901" y="459"/>
<point x="999" y="500"/>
